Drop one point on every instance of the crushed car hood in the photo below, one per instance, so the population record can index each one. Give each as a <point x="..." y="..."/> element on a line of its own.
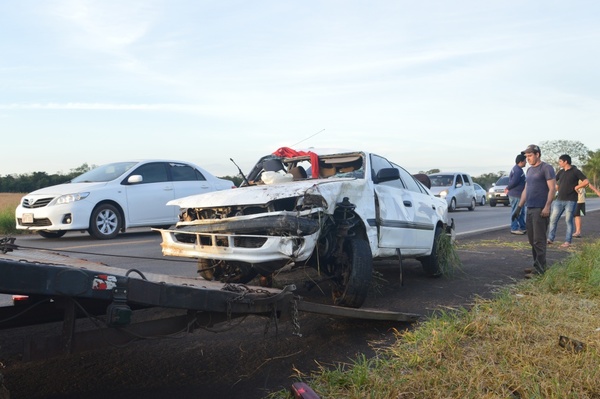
<point x="263" y="194"/>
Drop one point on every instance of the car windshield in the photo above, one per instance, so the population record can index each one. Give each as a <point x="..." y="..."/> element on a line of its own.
<point x="503" y="181"/>
<point x="441" y="180"/>
<point x="104" y="173"/>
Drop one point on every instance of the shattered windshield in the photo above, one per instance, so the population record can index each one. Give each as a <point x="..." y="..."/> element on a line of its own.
<point x="274" y="169"/>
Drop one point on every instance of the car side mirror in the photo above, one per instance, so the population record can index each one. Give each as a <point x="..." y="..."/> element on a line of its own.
<point x="134" y="179"/>
<point x="387" y="174"/>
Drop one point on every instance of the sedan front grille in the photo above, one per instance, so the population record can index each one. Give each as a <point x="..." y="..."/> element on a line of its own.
<point x="44" y="222"/>
<point x="39" y="203"/>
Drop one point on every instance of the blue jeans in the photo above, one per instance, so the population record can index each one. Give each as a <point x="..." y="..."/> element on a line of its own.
<point x="558" y="207"/>
<point x="518" y="223"/>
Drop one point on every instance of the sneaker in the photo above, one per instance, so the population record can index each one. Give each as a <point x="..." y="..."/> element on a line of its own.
<point x="524" y="231"/>
<point x="518" y="232"/>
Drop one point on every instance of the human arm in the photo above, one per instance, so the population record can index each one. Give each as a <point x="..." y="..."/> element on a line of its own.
<point x="551" y="193"/>
<point x="517" y="211"/>
<point x="594" y="189"/>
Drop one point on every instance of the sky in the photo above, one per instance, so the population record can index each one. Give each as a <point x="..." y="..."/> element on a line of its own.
<point x="452" y="85"/>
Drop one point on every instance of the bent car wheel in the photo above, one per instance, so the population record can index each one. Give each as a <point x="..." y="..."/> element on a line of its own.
<point x="51" y="234"/>
<point x="431" y="263"/>
<point x="105" y="222"/>
<point x="357" y="270"/>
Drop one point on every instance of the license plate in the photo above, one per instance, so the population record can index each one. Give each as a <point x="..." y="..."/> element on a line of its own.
<point x="27" y="218"/>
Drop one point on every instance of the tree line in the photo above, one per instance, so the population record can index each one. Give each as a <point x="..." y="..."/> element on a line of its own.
<point x="588" y="161"/>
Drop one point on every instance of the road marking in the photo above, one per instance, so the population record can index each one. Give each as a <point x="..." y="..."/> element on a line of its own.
<point x="103" y="245"/>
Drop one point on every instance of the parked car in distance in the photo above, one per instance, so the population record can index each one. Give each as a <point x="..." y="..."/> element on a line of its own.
<point x="333" y="210"/>
<point x="480" y="194"/>
<point x="496" y="194"/>
<point x="456" y="188"/>
<point x="108" y="199"/>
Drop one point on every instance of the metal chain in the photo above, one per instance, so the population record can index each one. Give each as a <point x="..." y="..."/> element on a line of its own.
<point x="295" y="318"/>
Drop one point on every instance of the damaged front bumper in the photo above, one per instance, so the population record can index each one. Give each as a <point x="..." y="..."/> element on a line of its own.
<point x="256" y="238"/>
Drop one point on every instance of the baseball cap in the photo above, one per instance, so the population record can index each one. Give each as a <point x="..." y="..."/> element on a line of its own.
<point x="531" y="148"/>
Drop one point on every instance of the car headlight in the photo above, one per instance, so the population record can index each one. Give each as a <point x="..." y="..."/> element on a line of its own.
<point x="68" y="198"/>
<point x="443" y="193"/>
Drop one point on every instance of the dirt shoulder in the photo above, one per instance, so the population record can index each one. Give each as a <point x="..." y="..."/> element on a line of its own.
<point x="252" y="360"/>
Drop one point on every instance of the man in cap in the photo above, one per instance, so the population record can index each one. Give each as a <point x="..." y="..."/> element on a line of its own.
<point x="539" y="191"/>
<point x="514" y="189"/>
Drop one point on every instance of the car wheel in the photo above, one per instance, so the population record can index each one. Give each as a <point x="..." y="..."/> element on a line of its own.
<point x="51" y="234"/>
<point x="354" y="274"/>
<point x="506" y="204"/>
<point x="482" y="202"/>
<point x="452" y="206"/>
<point x="473" y="204"/>
<point x="492" y="203"/>
<point x="431" y="263"/>
<point x="106" y="222"/>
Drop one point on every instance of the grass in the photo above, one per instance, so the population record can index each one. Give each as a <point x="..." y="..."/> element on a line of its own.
<point x="507" y="347"/>
<point x="8" y="204"/>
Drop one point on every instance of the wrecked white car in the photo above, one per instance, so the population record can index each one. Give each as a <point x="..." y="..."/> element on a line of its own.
<point x="333" y="210"/>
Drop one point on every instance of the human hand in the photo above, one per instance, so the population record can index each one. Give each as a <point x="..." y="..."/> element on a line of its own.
<point x="516" y="214"/>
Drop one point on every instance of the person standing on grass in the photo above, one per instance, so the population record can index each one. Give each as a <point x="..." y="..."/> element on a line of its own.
<point x="540" y="187"/>
<point x="569" y="180"/>
<point x="514" y="189"/>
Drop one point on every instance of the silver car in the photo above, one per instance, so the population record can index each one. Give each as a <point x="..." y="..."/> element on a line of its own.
<point x="456" y="188"/>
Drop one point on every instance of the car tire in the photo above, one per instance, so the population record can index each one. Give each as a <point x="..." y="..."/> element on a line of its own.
<point x="506" y="204"/>
<point x="356" y="273"/>
<point x="482" y="202"/>
<point x="492" y="203"/>
<point x="452" y="206"/>
<point x="51" y="234"/>
<point x="473" y="204"/>
<point x="431" y="263"/>
<point x="106" y="222"/>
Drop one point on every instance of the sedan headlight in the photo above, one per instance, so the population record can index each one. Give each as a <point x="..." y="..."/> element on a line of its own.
<point x="443" y="193"/>
<point x="68" y="198"/>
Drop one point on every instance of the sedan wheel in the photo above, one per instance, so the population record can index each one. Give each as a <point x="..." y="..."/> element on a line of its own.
<point x="106" y="222"/>
<point x="482" y="202"/>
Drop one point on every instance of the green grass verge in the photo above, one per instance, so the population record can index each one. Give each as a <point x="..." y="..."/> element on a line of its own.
<point x="508" y="347"/>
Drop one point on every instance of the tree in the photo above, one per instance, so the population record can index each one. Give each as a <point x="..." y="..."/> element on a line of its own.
<point x="592" y="167"/>
<point x="553" y="149"/>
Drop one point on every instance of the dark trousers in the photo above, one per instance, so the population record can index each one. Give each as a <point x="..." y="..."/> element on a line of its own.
<point x="537" y="232"/>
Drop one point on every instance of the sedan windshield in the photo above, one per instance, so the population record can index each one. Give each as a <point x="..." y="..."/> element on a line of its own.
<point x="104" y="173"/>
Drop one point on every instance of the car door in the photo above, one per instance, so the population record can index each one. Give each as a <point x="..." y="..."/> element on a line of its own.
<point x="147" y="200"/>
<point x="459" y="190"/>
<point x="393" y="216"/>
<point x="187" y="180"/>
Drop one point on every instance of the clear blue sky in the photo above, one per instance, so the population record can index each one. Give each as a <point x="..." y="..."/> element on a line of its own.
<point x="429" y="84"/>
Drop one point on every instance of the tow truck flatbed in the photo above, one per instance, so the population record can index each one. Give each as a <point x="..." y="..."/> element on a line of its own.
<point x="66" y="289"/>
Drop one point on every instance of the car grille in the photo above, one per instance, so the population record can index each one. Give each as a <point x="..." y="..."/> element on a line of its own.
<point x="40" y="203"/>
<point x="36" y="222"/>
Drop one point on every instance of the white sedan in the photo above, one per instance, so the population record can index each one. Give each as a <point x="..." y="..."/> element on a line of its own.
<point x="330" y="209"/>
<point x="108" y="199"/>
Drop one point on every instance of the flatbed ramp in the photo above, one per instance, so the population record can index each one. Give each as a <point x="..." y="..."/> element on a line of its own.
<point x="67" y="290"/>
